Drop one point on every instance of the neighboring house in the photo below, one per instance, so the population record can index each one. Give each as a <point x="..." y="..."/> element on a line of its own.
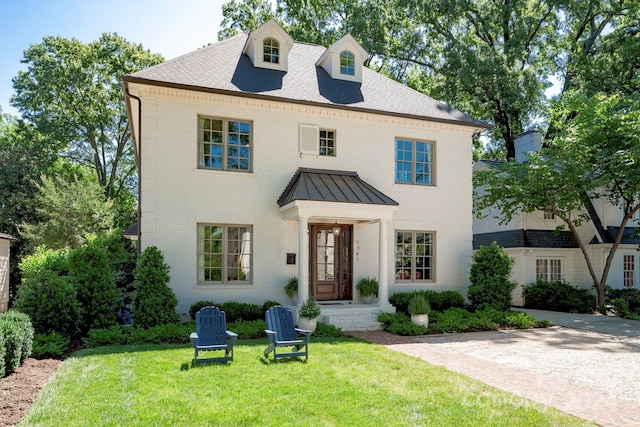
<point x="261" y="159"/>
<point x="541" y="253"/>
<point x="5" y="253"/>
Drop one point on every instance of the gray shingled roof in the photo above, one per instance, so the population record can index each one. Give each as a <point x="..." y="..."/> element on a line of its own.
<point x="223" y="68"/>
<point x="7" y="236"/>
<point x="526" y="239"/>
<point x="332" y="186"/>
<point x="631" y="235"/>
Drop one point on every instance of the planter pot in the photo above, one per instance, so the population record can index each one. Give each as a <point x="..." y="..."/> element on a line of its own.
<point x="308" y="324"/>
<point x="368" y="299"/>
<point x="294" y="299"/>
<point x="420" y="319"/>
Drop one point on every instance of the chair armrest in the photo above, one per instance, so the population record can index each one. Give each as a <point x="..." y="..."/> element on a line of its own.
<point x="232" y="337"/>
<point x="306" y="333"/>
<point x="194" y="339"/>
<point x="271" y="335"/>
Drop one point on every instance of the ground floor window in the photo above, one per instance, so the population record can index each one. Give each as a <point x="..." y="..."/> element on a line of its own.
<point x="224" y="253"/>
<point x="629" y="271"/>
<point x="414" y="256"/>
<point x="549" y="269"/>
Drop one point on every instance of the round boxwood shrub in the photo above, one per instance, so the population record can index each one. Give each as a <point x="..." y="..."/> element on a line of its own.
<point x="489" y="277"/>
<point x="51" y="303"/>
<point x="154" y="303"/>
<point x="26" y="331"/>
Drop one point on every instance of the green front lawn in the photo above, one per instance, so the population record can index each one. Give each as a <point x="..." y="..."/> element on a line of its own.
<point x="345" y="382"/>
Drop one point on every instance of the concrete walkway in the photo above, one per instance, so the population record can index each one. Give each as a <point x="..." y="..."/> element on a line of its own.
<point x="568" y="367"/>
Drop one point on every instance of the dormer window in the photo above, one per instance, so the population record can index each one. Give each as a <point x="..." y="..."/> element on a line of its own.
<point x="268" y="46"/>
<point x="271" y="51"/>
<point x="347" y="63"/>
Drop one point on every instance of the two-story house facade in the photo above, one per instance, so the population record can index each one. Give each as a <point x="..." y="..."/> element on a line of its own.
<point x="263" y="159"/>
<point x="542" y="253"/>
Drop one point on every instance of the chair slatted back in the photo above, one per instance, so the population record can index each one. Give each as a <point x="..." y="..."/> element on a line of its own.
<point x="280" y="320"/>
<point x="211" y="326"/>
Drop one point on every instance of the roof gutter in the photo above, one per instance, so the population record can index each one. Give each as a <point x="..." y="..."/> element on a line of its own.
<point x="137" y="141"/>
<point x="130" y="79"/>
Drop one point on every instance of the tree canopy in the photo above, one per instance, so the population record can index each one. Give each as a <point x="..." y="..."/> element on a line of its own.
<point x="71" y="93"/>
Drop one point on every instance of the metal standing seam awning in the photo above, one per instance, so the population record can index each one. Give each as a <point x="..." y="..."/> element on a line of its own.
<point x="333" y="193"/>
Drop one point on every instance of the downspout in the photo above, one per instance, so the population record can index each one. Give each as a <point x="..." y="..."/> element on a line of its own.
<point x="139" y="162"/>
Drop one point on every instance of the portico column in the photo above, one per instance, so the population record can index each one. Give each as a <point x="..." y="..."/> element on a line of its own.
<point x="303" y="260"/>
<point x="383" y="264"/>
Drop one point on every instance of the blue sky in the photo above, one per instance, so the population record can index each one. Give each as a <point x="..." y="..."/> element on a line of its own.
<point x="170" y="28"/>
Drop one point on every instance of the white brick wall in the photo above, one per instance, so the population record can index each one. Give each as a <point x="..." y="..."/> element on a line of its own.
<point x="176" y="195"/>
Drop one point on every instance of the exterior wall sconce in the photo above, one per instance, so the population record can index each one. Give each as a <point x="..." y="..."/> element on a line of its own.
<point x="336" y="229"/>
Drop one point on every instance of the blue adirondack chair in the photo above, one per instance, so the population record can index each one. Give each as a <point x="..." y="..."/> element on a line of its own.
<point x="282" y="332"/>
<point x="211" y="335"/>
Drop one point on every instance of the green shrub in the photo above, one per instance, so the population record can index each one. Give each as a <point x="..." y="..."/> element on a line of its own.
<point x="241" y="311"/>
<point x="26" y="331"/>
<point x="558" y="296"/>
<point x="122" y="256"/>
<point x="12" y="344"/>
<point x="451" y="320"/>
<point x="44" y="261"/>
<point x="630" y="296"/>
<point x="3" y="355"/>
<point x="291" y="288"/>
<point x="51" y="302"/>
<point x="490" y="285"/>
<point x="367" y="286"/>
<point x="439" y="301"/>
<point x="328" y="331"/>
<point x="90" y="273"/>
<point x="267" y="305"/>
<point x="154" y="302"/>
<point x="197" y="306"/>
<point x="248" y="329"/>
<point x="400" y="324"/>
<point x="53" y="345"/>
<point x="519" y="320"/>
<point x="169" y="333"/>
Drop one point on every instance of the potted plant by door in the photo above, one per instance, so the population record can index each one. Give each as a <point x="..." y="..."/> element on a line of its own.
<point x="419" y="308"/>
<point x="308" y="315"/>
<point x="291" y="289"/>
<point x="368" y="288"/>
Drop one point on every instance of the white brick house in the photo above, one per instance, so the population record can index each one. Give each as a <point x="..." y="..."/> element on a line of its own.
<point x="261" y="159"/>
<point x="541" y="253"/>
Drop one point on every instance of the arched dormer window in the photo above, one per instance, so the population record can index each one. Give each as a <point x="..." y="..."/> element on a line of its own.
<point x="271" y="50"/>
<point x="347" y="63"/>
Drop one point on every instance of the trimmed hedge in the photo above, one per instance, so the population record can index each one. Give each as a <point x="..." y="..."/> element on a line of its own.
<point x="439" y="301"/>
<point x="489" y="276"/>
<point x="16" y="340"/>
<point x="558" y="296"/>
<point x="235" y="311"/>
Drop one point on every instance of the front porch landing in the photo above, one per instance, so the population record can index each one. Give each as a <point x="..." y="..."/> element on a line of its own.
<point x="352" y="317"/>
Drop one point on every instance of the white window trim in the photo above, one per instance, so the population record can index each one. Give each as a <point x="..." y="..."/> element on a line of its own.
<point x="548" y="272"/>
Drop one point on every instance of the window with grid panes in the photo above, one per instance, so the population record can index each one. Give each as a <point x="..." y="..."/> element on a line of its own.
<point x="549" y="269"/>
<point x="414" y="256"/>
<point x="629" y="271"/>
<point x="224" y="144"/>
<point x="224" y="253"/>
<point x="414" y="162"/>
<point x="327" y="143"/>
<point x="271" y="51"/>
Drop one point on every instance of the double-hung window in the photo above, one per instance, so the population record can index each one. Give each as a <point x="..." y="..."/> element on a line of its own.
<point x="415" y="256"/>
<point x="224" y="144"/>
<point x="629" y="271"/>
<point x="549" y="269"/>
<point x="224" y="253"/>
<point x="414" y="162"/>
<point x="271" y="51"/>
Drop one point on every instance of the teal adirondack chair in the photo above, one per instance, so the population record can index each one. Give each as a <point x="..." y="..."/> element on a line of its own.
<point x="282" y="332"/>
<point x="211" y="335"/>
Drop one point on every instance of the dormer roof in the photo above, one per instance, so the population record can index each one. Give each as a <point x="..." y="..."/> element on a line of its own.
<point x="268" y="46"/>
<point x="331" y="60"/>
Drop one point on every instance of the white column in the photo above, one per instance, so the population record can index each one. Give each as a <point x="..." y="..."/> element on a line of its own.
<point x="383" y="264"/>
<point x="303" y="260"/>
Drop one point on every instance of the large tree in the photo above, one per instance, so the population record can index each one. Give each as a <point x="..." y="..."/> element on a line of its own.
<point x="594" y="154"/>
<point x="71" y="92"/>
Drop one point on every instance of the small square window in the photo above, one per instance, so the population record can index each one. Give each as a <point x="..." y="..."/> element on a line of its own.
<point x="327" y="143"/>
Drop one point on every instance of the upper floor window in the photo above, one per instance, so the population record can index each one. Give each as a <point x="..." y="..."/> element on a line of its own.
<point x="415" y="256"/>
<point x="347" y="63"/>
<point x="224" y="253"/>
<point x="549" y="269"/>
<point x="327" y="143"/>
<point x="224" y="144"/>
<point x="414" y="162"/>
<point x="549" y="216"/>
<point x="629" y="271"/>
<point x="271" y="51"/>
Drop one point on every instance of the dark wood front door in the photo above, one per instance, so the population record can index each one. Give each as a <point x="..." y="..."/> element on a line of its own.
<point x="330" y="260"/>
